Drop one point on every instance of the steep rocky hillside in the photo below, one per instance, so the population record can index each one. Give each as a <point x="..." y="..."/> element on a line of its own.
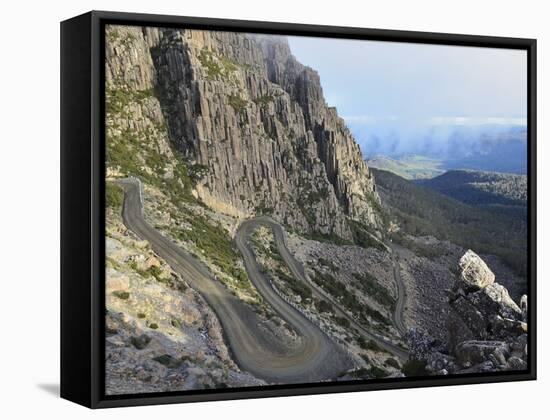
<point x="245" y="118"/>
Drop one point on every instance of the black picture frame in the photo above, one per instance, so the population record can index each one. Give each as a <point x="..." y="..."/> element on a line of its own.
<point x="83" y="204"/>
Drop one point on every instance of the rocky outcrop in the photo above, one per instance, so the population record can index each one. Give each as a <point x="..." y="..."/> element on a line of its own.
<point x="493" y="331"/>
<point x="252" y="124"/>
<point x="474" y="272"/>
<point x="486" y="307"/>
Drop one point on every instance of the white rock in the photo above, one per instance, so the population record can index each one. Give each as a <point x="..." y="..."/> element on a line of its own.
<point x="475" y="272"/>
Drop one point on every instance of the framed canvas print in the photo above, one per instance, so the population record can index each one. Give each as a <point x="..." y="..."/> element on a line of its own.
<point x="255" y="209"/>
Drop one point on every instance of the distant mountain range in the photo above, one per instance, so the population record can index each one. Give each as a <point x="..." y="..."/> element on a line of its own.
<point x="495" y="191"/>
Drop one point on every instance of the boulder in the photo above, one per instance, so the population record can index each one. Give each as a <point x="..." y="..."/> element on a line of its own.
<point x="500" y="356"/>
<point x="507" y="308"/>
<point x="114" y="280"/>
<point x="473" y="352"/>
<point x="474" y="320"/>
<point x="523" y="307"/>
<point x="474" y="272"/>
<point x="516" y="363"/>
<point x="141" y="341"/>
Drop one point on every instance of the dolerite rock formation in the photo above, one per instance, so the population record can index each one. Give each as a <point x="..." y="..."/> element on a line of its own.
<point x="474" y="272"/>
<point x="493" y="334"/>
<point x="252" y="124"/>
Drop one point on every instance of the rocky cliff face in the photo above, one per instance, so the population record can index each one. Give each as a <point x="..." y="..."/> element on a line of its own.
<point x="250" y="121"/>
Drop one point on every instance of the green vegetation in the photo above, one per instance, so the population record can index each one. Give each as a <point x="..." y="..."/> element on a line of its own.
<point x="362" y="237"/>
<point x="280" y="271"/>
<point x="141" y="315"/>
<point x="136" y="153"/>
<point x="414" y="367"/>
<point x="155" y="271"/>
<point x="128" y="152"/>
<point x="115" y="36"/>
<point x="118" y="99"/>
<point x="338" y="290"/>
<point x="114" y="196"/>
<point x="237" y="103"/>
<point x="372" y="288"/>
<point x="377" y="372"/>
<point x="215" y="243"/>
<point x="324" y="306"/>
<point x="121" y="294"/>
<point x="343" y="322"/>
<point x="153" y="325"/>
<point x="392" y="363"/>
<point x="168" y="361"/>
<point x="197" y="172"/>
<point x="176" y="323"/>
<point x="218" y="66"/>
<point x="421" y="211"/>
<point x="369" y="345"/>
<point x="296" y="286"/>
<point x="264" y="101"/>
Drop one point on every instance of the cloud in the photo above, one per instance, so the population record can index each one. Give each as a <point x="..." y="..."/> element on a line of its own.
<point x="472" y="121"/>
<point x="438" y="137"/>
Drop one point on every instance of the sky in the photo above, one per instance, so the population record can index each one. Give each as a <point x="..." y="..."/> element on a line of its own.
<point x="403" y="91"/>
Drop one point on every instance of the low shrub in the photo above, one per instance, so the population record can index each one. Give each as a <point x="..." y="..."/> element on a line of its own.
<point x="121" y="294"/>
<point x="413" y="367"/>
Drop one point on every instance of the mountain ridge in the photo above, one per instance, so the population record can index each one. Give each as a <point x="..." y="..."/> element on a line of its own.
<point x="480" y="187"/>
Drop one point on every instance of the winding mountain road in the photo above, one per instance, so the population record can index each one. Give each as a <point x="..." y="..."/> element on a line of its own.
<point x="246" y="229"/>
<point x="313" y="357"/>
<point x="401" y="294"/>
